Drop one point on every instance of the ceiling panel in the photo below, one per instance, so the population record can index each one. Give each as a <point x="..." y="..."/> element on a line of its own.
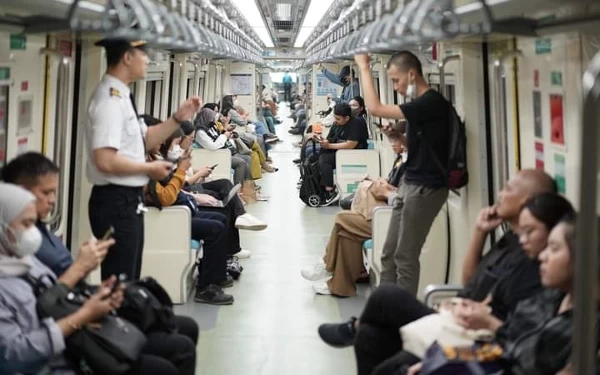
<point x="283" y="19"/>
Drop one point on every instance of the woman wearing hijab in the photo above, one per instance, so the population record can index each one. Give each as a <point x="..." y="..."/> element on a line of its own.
<point x="29" y="344"/>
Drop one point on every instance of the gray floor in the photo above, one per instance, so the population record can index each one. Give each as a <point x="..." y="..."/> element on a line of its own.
<point x="272" y="326"/>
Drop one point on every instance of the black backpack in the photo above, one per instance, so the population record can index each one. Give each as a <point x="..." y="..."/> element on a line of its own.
<point x="147" y="305"/>
<point x="456" y="174"/>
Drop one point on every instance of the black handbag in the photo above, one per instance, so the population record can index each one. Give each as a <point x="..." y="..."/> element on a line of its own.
<point x="108" y="347"/>
<point x="148" y="306"/>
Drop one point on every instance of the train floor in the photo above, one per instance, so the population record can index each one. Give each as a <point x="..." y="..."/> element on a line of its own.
<point x="272" y="326"/>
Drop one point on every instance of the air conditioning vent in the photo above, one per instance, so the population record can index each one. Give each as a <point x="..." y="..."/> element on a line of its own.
<point x="283" y="25"/>
<point x="284" y="40"/>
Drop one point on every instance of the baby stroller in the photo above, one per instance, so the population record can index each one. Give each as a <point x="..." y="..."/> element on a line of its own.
<point x="311" y="192"/>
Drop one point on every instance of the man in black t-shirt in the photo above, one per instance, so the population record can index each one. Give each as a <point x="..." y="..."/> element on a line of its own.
<point x="424" y="189"/>
<point x="348" y="132"/>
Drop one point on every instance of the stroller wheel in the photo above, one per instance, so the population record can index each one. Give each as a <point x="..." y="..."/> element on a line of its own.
<point x="314" y="200"/>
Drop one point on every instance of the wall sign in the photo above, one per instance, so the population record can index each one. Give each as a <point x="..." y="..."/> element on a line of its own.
<point x="559" y="173"/>
<point x="557" y="120"/>
<point x="4" y="73"/>
<point x="537" y="114"/>
<point x="22" y="145"/>
<point x="18" y="41"/>
<point x="241" y="84"/>
<point x="543" y="46"/>
<point x="325" y="86"/>
<point x="556" y="78"/>
<point x="536" y="78"/>
<point x="539" y="155"/>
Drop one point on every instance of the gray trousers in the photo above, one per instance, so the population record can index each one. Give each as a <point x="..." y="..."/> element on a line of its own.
<point x="241" y="168"/>
<point x="414" y="210"/>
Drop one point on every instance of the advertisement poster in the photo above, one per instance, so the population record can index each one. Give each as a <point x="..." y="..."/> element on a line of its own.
<point x="556" y="120"/>
<point x="537" y="114"/>
<point x="325" y="86"/>
<point x="559" y="173"/>
<point x="539" y="155"/>
<point x="241" y="84"/>
<point x="22" y="146"/>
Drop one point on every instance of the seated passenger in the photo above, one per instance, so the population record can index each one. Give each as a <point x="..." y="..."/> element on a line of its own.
<point x="347" y="133"/>
<point x="249" y="131"/>
<point x="342" y="265"/>
<point x="506" y="271"/>
<point x="28" y="344"/>
<point x="537" y="337"/>
<point x="39" y="175"/>
<point x="210" y="227"/>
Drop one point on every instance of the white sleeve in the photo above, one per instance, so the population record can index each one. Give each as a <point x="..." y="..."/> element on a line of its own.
<point x="106" y="121"/>
<point x="207" y="142"/>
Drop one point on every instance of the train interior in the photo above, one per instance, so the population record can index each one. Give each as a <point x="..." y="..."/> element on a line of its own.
<point x="523" y="75"/>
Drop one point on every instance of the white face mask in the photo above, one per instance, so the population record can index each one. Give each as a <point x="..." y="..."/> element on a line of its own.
<point x="411" y="91"/>
<point x="217" y="116"/>
<point x="28" y="242"/>
<point x="404" y="156"/>
<point x="175" y="153"/>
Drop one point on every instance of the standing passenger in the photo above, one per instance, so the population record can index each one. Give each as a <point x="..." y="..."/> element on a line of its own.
<point x="287" y="87"/>
<point x="117" y="167"/>
<point x="424" y="190"/>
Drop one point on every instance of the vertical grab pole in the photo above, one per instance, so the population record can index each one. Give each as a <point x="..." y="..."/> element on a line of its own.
<point x="586" y="251"/>
<point x="442" y="72"/>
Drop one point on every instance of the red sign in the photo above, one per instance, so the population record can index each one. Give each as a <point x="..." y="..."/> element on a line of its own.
<point x="536" y="78"/>
<point x="24" y="86"/>
<point x="557" y="120"/>
<point x="65" y="47"/>
<point x="539" y="155"/>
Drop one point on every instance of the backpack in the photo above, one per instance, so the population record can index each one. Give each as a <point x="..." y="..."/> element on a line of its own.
<point x="147" y="305"/>
<point x="456" y="174"/>
<point x="310" y="180"/>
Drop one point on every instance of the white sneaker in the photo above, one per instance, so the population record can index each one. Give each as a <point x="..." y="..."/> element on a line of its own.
<point x="249" y="222"/>
<point x="261" y="197"/>
<point x="243" y="254"/>
<point x="321" y="287"/>
<point x="316" y="272"/>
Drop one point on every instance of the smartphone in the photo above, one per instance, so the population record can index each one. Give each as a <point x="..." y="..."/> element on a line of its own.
<point x="121" y="279"/>
<point x="110" y="232"/>
<point x="214" y="166"/>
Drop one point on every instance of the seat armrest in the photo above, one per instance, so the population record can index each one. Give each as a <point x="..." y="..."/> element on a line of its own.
<point x="433" y="290"/>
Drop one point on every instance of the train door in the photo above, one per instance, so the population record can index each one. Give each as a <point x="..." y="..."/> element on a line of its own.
<point x="58" y="117"/>
<point x="152" y="96"/>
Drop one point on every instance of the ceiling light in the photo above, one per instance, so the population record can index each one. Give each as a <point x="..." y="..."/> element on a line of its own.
<point x="250" y="11"/>
<point x="316" y="11"/>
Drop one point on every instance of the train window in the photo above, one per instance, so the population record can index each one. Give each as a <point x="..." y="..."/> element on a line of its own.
<point x="154" y="94"/>
<point x="3" y="123"/>
<point x="201" y="87"/>
<point x="189" y="90"/>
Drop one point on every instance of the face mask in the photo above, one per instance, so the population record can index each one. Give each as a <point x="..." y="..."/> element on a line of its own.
<point x="217" y="117"/>
<point x="175" y="153"/>
<point x="404" y="155"/>
<point x="236" y="103"/>
<point x="28" y="242"/>
<point x="355" y="110"/>
<point x="411" y="91"/>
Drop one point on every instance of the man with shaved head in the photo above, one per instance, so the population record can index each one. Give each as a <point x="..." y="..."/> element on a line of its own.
<point x="503" y="277"/>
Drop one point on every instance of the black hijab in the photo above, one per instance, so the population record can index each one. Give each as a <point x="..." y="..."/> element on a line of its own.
<point x="227" y="104"/>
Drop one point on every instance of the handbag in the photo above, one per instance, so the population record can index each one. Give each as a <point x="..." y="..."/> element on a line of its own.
<point x="109" y="347"/>
<point x="148" y="306"/>
<point x="422" y="333"/>
<point x="478" y="359"/>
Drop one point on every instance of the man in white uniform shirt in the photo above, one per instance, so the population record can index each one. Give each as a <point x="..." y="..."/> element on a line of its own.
<point x="117" y="141"/>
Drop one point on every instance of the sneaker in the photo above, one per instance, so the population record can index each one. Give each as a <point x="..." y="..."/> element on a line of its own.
<point x="330" y="198"/>
<point x="261" y="197"/>
<point x="270" y="140"/>
<point x="249" y="222"/>
<point x="243" y="254"/>
<point x="338" y="335"/>
<point x="297" y="161"/>
<point x="227" y="283"/>
<point x="316" y="272"/>
<point x="321" y="287"/>
<point x="213" y="295"/>
<point x="234" y="268"/>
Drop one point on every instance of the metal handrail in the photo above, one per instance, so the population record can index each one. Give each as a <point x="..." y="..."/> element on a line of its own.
<point x="586" y="250"/>
<point x="61" y="124"/>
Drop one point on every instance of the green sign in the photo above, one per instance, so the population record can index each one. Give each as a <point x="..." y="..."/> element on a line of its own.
<point x="18" y="41"/>
<point x="351" y="188"/>
<point x="543" y="46"/>
<point x="560" y="172"/>
<point x="556" y="78"/>
<point x="4" y="73"/>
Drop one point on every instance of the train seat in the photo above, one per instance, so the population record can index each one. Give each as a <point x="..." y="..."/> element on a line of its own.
<point x="352" y="166"/>
<point x="203" y="158"/>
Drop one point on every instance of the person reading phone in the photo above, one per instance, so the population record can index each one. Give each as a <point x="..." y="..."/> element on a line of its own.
<point x="348" y="132"/>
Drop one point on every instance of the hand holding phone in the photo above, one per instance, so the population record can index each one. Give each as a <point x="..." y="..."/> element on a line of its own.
<point x="110" y="232"/>
<point x="120" y="279"/>
<point x="213" y="167"/>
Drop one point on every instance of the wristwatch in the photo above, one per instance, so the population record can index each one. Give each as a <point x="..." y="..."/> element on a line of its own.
<point x="174" y="117"/>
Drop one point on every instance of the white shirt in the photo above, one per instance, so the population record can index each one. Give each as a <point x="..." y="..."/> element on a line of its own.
<point x="112" y="123"/>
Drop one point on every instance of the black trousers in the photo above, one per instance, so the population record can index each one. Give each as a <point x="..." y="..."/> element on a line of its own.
<point x="116" y="206"/>
<point x="232" y="237"/>
<point x="326" y="166"/>
<point x="178" y="348"/>
<point x="287" y="92"/>
<point x="378" y="338"/>
<point x="210" y="228"/>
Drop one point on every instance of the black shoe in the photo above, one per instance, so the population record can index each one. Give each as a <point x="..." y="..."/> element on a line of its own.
<point x="227" y="283"/>
<point x="338" y="335"/>
<point x="297" y="161"/>
<point x="213" y="295"/>
<point x="272" y="139"/>
<point x="330" y="198"/>
<point x="234" y="269"/>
